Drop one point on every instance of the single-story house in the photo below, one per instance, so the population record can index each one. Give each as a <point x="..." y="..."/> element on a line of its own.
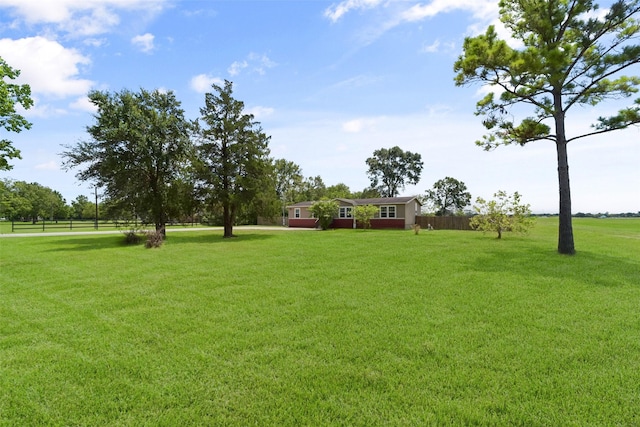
<point x="393" y="212"/>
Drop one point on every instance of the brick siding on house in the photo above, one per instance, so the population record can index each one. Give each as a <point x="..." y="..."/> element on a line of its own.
<point x="302" y="222"/>
<point x="342" y="223"/>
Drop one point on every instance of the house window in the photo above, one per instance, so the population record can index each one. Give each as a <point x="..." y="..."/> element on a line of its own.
<point x="296" y="213"/>
<point x="387" y="211"/>
<point x="345" y="212"/>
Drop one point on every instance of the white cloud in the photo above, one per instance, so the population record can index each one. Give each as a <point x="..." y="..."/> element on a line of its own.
<point x="260" y="112"/>
<point x="358" y="125"/>
<point x="439" y="47"/>
<point x="48" y="67"/>
<point x="481" y="9"/>
<point x="95" y="42"/>
<point x="261" y="62"/>
<point x="236" y="67"/>
<point x="50" y="166"/>
<point x="254" y="62"/>
<point x="202" y="82"/>
<point x="43" y="110"/>
<point x="144" y="42"/>
<point x="337" y="11"/>
<point x="432" y="48"/>
<point x="79" y="17"/>
<point x="484" y="12"/>
<point x="98" y="21"/>
<point x="209" y="13"/>
<point x="84" y="104"/>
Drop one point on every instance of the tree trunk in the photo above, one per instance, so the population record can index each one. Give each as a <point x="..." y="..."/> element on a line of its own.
<point x="228" y="220"/>
<point x="565" y="231"/>
<point x="160" y="227"/>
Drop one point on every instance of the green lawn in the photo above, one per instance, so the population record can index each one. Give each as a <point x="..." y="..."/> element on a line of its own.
<point x="323" y="328"/>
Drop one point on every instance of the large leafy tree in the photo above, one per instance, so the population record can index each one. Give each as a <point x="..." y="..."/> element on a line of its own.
<point x="139" y="150"/>
<point x="15" y="200"/>
<point x="233" y="152"/>
<point x="568" y="58"/>
<point x="391" y="169"/>
<point x="367" y="193"/>
<point x="288" y="179"/>
<point x="338" y="191"/>
<point x="31" y="201"/>
<point x="312" y="188"/>
<point x="83" y="208"/>
<point x="80" y="207"/>
<point x="11" y="94"/>
<point x="449" y="196"/>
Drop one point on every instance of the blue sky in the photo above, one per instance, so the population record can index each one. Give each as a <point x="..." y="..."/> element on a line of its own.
<point x="330" y="81"/>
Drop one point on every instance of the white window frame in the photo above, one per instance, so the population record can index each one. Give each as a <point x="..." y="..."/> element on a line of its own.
<point x="296" y="212"/>
<point x="345" y="212"/>
<point x="388" y="211"/>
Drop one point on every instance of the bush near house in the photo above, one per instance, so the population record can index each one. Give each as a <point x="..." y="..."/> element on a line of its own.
<point x="325" y="211"/>
<point x="364" y="214"/>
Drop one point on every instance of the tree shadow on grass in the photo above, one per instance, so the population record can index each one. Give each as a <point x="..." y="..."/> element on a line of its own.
<point x="217" y="238"/>
<point x="99" y="242"/>
<point x="594" y="268"/>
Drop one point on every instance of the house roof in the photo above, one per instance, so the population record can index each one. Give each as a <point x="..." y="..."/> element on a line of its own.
<point x="301" y="205"/>
<point x="361" y="202"/>
<point x="381" y="201"/>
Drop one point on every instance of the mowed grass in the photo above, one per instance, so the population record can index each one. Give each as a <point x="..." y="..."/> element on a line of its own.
<point x="344" y="327"/>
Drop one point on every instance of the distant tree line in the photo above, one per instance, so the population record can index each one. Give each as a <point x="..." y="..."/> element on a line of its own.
<point x="24" y="201"/>
<point x="608" y="215"/>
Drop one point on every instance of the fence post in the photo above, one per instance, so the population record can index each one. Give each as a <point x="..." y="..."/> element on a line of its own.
<point x="43" y="222"/>
<point x="12" y="225"/>
<point x="70" y="224"/>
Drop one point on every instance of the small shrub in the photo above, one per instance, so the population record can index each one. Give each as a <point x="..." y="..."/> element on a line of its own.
<point x="325" y="211"/>
<point x="154" y="239"/>
<point x="132" y="237"/>
<point x="364" y="215"/>
<point x="504" y="213"/>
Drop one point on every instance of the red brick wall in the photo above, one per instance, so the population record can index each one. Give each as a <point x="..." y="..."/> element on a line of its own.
<point x="302" y="222"/>
<point x="342" y="223"/>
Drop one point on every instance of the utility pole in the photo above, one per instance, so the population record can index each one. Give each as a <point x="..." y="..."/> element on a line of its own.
<point x="95" y="225"/>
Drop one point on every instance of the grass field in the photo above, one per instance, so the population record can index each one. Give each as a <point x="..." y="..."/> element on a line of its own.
<point x="344" y="327"/>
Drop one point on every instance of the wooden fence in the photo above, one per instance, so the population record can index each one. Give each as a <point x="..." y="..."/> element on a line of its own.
<point x="62" y="225"/>
<point x="444" y="222"/>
